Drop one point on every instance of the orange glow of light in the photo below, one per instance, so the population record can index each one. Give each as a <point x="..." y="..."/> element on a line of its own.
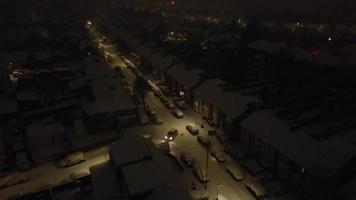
<point x="315" y="52"/>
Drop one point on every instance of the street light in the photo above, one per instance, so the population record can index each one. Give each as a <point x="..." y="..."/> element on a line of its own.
<point x="217" y="190"/>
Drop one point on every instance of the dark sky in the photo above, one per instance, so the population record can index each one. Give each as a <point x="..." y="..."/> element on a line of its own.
<point x="307" y="8"/>
<point x="344" y="9"/>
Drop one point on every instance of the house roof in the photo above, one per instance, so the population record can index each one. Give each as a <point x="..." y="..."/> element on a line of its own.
<point x="162" y="61"/>
<point x="184" y="76"/>
<point x="109" y="95"/>
<point x="105" y="183"/>
<point x="42" y="55"/>
<point x="27" y="96"/>
<point x="139" y="178"/>
<point x="8" y="105"/>
<point x="77" y="83"/>
<point x="265" y="46"/>
<point x="145" y="50"/>
<point x="86" y="43"/>
<point x="321" y="159"/>
<point x="19" y="56"/>
<point x="128" y="150"/>
<point x="95" y="67"/>
<point x="128" y="39"/>
<point x="230" y="103"/>
<point x="112" y="104"/>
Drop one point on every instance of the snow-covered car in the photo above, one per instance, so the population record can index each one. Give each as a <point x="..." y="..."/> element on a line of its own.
<point x="218" y="155"/>
<point x="72" y="159"/>
<point x="13" y="179"/>
<point x="204" y="140"/>
<point x="200" y="173"/>
<point x="177" y="113"/>
<point x="235" y="172"/>
<point x="187" y="158"/>
<point x="171" y="135"/>
<point x="193" y="129"/>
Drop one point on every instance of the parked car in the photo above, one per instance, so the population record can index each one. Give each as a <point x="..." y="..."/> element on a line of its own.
<point x="157" y="93"/>
<point x="221" y="138"/>
<point x="205" y="140"/>
<point x="72" y="159"/>
<point x="13" y="179"/>
<point x="110" y="59"/>
<point x="152" y="112"/>
<point x="256" y="190"/>
<point x="156" y="119"/>
<point x="125" y="82"/>
<point x="147" y="136"/>
<point x="235" y="172"/>
<point x="178" y="114"/>
<point x="77" y="175"/>
<point x="187" y="158"/>
<point x="171" y="135"/>
<point x="218" y="155"/>
<point x="142" y="117"/>
<point x="163" y="99"/>
<point x="212" y="132"/>
<point x="165" y="91"/>
<point x="200" y="173"/>
<point x="169" y="105"/>
<point x="193" y="129"/>
<point x="181" y="104"/>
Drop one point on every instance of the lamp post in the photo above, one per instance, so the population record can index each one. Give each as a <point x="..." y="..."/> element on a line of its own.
<point x="217" y="190"/>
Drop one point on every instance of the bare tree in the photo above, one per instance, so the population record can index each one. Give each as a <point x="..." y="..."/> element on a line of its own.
<point x="141" y="87"/>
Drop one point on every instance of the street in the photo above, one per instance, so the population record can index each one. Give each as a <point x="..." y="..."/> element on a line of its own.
<point x="48" y="174"/>
<point x="186" y="142"/>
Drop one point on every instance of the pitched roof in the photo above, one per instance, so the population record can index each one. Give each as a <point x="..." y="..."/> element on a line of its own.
<point x="185" y="76"/>
<point x="232" y="104"/>
<point x="105" y="183"/>
<point x="320" y="159"/>
<point x="162" y="61"/>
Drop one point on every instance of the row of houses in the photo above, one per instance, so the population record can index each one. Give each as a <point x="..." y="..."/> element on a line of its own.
<point x="317" y="170"/>
<point x="136" y="170"/>
<point x="71" y="105"/>
<point x="342" y="57"/>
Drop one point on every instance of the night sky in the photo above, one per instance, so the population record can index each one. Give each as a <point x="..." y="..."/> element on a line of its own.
<point x="325" y="9"/>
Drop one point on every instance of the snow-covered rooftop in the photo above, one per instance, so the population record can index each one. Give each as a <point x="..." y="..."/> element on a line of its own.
<point x="105" y="183"/>
<point x="162" y="61"/>
<point x="42" y="55"/>
<point x="128" y="150"/>
<point x="184" y="76"/>
<point x="230" y="103"/>
<point x="139" y="178"/>
<point x="19" y="56"/>
<point x="145" y="50"/>
<point x="265" y="46"/>
<point x="128" y="39"/>
<point x="321" y="159"/>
